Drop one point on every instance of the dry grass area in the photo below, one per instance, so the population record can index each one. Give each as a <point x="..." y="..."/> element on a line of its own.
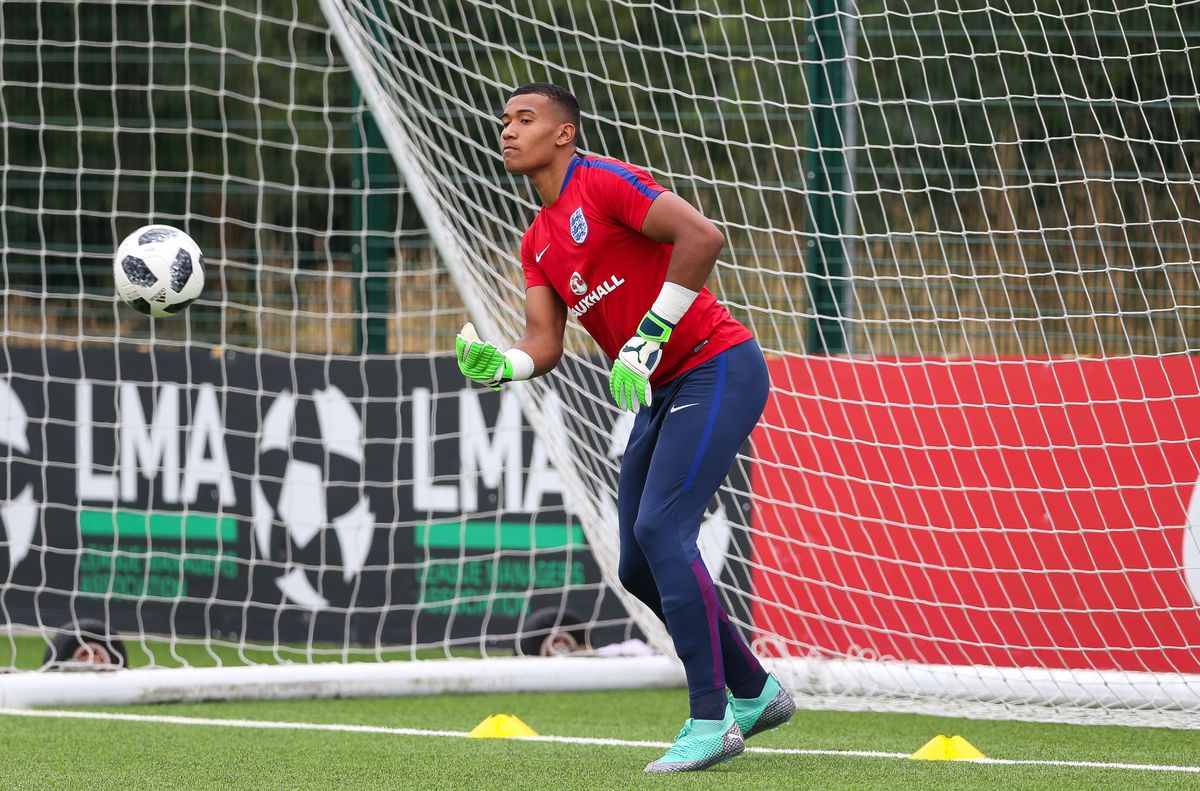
<point x="1014" y="271"/>
<point x="302" y="311"/>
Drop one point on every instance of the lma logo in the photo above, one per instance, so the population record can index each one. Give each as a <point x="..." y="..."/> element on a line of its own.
<point x="310" y="473"/>
<point x="18" y="501"/>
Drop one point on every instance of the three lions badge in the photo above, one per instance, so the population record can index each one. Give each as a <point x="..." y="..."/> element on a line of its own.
<point x="579" y="226"/>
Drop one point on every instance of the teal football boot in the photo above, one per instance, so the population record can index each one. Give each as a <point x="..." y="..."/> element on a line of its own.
<point x="701" y="744"/>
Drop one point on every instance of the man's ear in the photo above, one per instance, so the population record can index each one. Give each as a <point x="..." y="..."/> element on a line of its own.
<point x="566" y="135"/>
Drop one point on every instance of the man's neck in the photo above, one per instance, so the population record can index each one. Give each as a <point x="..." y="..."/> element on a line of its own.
<point x="548" y="182"/>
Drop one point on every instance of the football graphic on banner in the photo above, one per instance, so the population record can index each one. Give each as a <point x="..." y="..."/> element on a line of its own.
<point x="18" y="504"/>
<point x="310" y="462"/>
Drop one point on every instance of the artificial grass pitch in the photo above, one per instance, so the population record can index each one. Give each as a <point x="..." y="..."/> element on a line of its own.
<point x="60" y="753"/>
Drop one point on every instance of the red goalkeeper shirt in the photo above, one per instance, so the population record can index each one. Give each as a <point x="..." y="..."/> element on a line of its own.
<point x="588" y="246"/>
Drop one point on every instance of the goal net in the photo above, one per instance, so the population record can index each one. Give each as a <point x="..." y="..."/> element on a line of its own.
<point x="293" y="470"/>
<point x="962" y="233"/>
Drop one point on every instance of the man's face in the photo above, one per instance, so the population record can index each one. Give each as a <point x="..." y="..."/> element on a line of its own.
<point x="532" y="133"/>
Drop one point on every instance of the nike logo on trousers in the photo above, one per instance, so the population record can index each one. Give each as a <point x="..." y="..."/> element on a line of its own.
<point x="675" y="409"/>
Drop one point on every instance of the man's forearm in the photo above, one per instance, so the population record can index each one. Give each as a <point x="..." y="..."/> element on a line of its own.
<point x="692" y="261"/>
<point x="693" y="258"/>
<point x="544" y="354"/>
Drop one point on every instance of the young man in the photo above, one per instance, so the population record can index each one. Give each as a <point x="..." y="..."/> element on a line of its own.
<point x="629" y="260"/>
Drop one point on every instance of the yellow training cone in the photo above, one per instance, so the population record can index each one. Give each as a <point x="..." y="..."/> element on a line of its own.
<point x="941" y="748"/>
<point x="501" y="726"/>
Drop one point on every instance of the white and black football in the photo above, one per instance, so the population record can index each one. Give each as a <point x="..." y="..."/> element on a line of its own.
<point x="159" y="270"/>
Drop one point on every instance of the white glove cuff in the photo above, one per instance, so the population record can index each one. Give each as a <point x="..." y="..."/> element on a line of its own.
<point x="522" y="364"/>
<point x="673" y="301"/>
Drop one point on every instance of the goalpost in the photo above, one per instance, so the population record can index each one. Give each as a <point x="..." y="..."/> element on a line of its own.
<point x="962" y="233"/>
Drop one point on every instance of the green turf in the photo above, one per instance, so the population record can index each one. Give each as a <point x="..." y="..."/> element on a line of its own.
<point x="43" y="753"/>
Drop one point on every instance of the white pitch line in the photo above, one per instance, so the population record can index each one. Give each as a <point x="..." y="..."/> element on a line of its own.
<point x="380" y="729"/>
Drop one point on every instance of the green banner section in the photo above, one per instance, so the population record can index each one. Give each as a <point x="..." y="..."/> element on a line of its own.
<point x="142" y="526"/>
<point x="497" y="535"/>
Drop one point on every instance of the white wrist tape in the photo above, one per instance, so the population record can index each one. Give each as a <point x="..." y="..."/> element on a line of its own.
<point x="673" y="301"/>
<point x="522" y="364"/>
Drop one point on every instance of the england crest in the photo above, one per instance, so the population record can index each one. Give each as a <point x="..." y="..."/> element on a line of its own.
<point x="579" y="227"/>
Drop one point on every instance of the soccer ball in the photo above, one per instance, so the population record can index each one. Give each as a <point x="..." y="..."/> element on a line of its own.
<point x="159" y="270"/>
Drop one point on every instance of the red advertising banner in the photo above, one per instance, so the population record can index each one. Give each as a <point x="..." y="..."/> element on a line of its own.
<point x="1015" y="513"/>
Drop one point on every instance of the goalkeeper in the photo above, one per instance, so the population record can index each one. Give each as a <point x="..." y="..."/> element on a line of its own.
<point x="629" y="260"/>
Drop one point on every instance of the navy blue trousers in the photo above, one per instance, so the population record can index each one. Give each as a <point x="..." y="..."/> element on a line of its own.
<point x="679" y="453"/>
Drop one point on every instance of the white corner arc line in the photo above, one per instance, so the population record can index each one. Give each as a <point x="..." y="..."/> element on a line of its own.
<point x="391" y="731"/>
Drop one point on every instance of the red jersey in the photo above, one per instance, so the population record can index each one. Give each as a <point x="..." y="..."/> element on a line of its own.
<point x="588" y="247"/>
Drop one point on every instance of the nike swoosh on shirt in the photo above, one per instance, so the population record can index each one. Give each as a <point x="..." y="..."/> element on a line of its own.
<point x="538" y="258"/>
<point x="675" y="409"/>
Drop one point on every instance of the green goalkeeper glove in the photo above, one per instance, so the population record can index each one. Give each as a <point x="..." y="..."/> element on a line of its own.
<point x="629" y="381"/>
<point x="479" y="360"/>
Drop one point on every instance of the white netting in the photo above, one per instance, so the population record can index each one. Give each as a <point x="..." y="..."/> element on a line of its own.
<point x="294" y="468"/>
<point x="991" y="207"/>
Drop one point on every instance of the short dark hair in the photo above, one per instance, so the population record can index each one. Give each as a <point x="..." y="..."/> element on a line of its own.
<point x="560" y="97"/>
